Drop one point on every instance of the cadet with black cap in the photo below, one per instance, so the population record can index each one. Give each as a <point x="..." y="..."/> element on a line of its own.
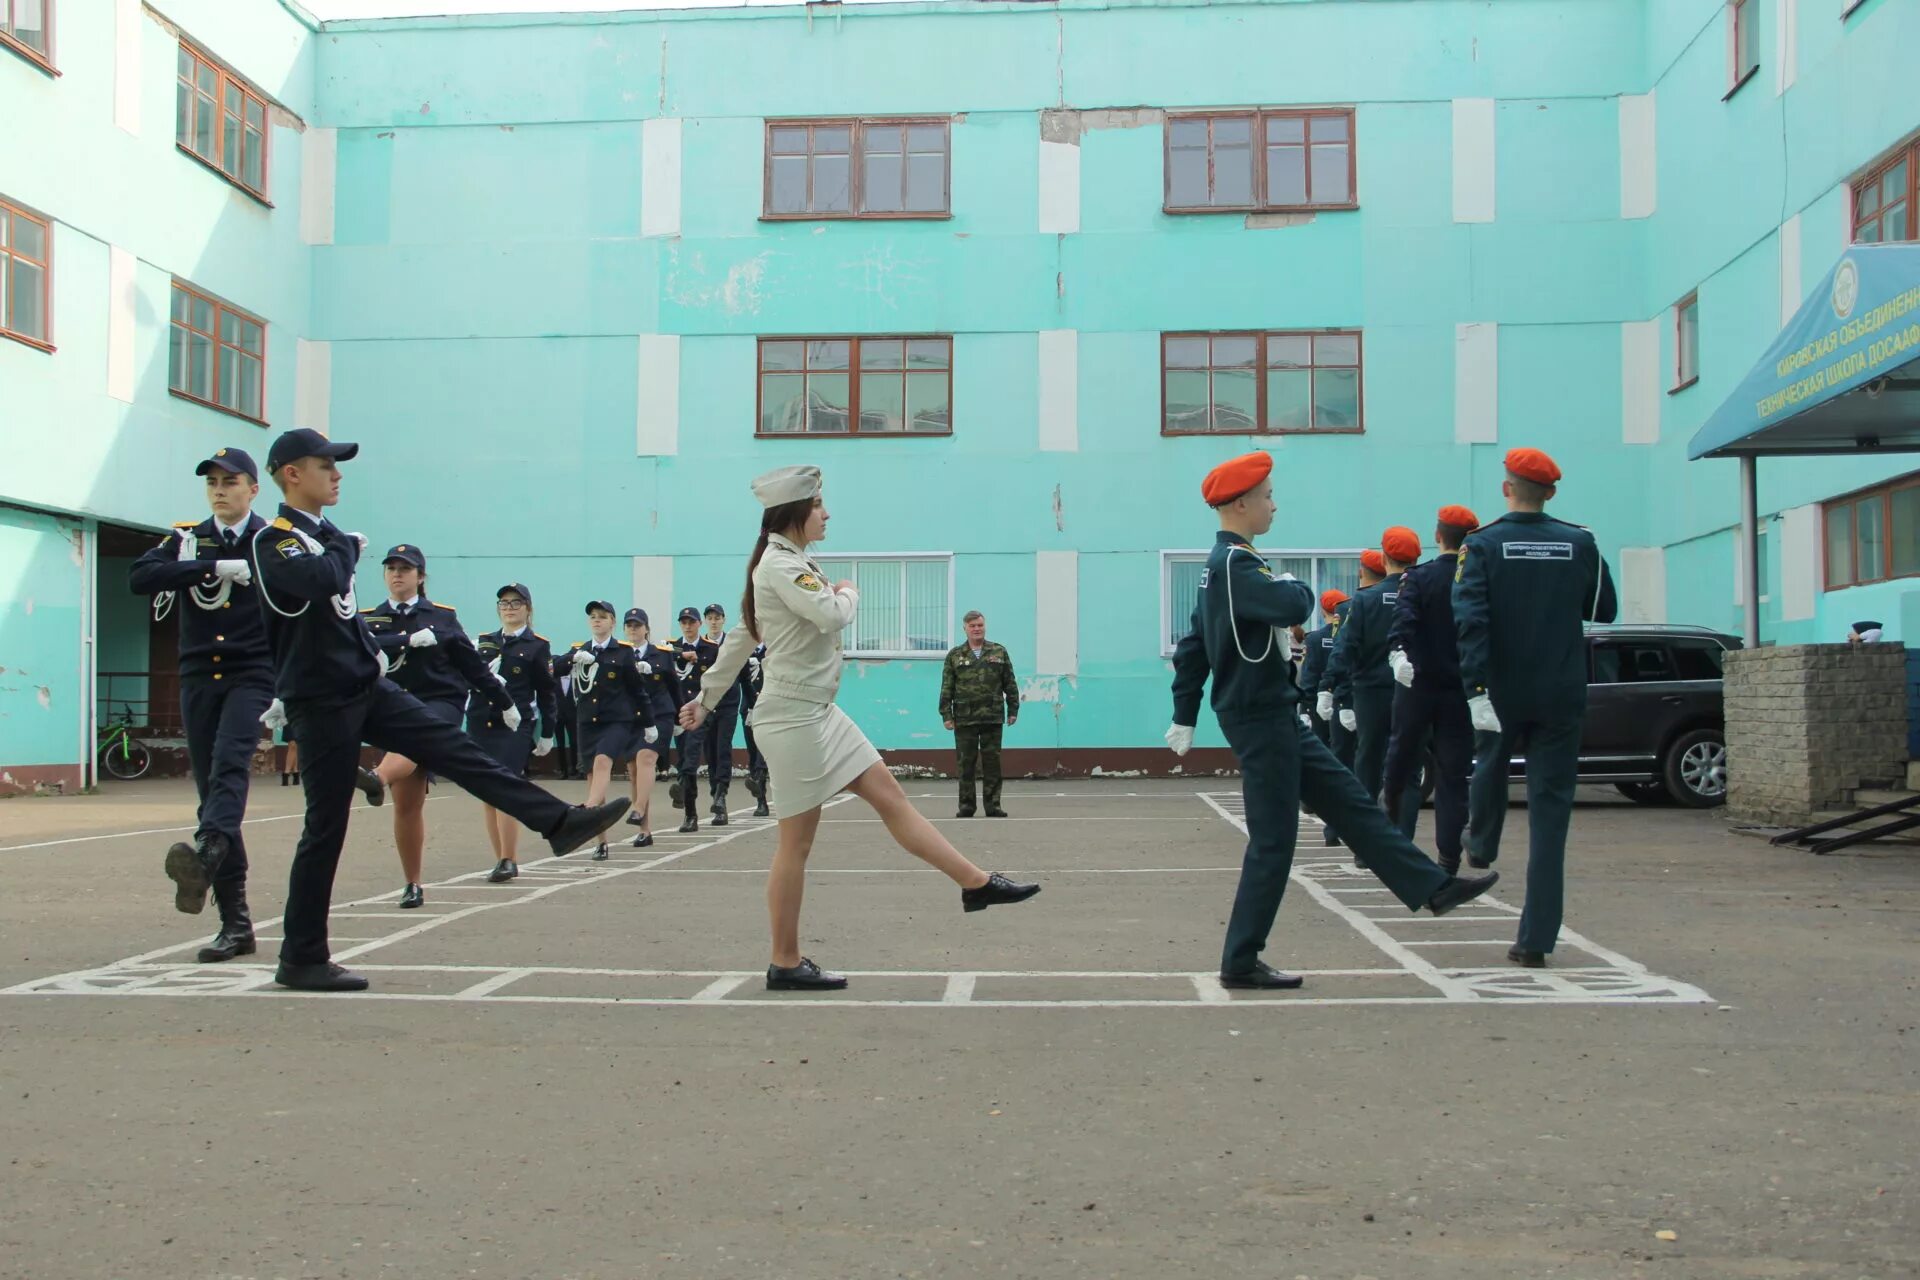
<point x="522" y="661"/>
<point x="226" y="684"/>
<point x="332" y="691"/>
<point x="656" y="702"/>
<point x="692" y="657"/>
<point x="607" y="681"/>
<point x="717" y="734"/>
<point x="751" y="685"/>
<point x="1237" y="639"/>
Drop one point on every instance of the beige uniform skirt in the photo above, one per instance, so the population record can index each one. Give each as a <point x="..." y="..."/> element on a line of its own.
<point x="813" y="750"/>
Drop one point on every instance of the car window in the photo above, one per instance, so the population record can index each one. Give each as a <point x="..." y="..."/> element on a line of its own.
<point x="1632" y="662"/>
<point x="1698" y="659"/>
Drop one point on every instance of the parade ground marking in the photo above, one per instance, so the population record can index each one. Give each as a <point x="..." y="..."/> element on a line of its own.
<point x="1419" y="968"/>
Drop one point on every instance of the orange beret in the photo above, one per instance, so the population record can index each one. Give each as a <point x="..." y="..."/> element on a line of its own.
<point x="1236" y="477"/>
<point x="1459" y="517"/>
<point x="1332" y="598"/>
<point x="1532" y="464"/>
<point x="1373" y="562"/>
<point x="1401" y="544"/>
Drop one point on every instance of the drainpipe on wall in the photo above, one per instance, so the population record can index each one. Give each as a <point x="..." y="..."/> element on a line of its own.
<point x="89" y="536"/>
<point x="1750" y="546"/>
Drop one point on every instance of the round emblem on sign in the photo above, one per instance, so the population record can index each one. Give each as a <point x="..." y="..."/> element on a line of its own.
<point x="1846" y="288"/>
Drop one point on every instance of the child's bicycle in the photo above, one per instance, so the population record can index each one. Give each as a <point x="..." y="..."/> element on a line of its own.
<point x="122" y="755"/>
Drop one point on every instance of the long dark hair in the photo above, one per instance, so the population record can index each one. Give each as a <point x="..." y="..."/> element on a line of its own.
<point x="785" y="519"/>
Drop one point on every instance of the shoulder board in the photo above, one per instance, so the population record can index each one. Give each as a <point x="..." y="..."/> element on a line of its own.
<point x="579" y="644"/>
<point x="664" y="648"/>
<point x="372" y="610"/>
<point x="185" y="524"/>
<point x="623" y="644"/>
<point x="281" y="522"/>
<point x="542" y="639"/>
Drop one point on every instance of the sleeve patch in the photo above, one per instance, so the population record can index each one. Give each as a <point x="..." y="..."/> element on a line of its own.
<point x="809" y="582"/>
<point x="289" y="548"/>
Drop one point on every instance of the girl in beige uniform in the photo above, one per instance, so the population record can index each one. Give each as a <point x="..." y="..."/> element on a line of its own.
<point x="812" y="748"/>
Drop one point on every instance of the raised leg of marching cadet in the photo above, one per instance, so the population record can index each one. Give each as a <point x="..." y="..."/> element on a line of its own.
<point x="966" y="749"/>
<point x="1377" y="844"/>
<point x="1553" y="766"/>
<point x="1270" y="791"/>
<point x="719" y="756"/>
<point x="1487" y="795"/>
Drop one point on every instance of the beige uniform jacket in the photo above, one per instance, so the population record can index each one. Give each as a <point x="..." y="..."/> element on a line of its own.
<point x="801" y="617"/>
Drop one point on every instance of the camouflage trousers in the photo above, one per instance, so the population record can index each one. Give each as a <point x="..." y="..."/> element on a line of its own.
<point x="978" y="746"/>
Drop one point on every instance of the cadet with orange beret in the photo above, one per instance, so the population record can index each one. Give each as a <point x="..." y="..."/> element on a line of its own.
<point x="1523" y="587"/>
<point x="1358" y="670"/>
<point x="1237" y="639"/>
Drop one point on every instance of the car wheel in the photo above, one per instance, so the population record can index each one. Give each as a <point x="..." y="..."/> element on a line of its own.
<point x="1696" y="769"/>
<point x="1651" y="793"/>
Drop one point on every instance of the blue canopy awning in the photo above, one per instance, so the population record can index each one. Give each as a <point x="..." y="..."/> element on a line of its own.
<point x="1842" y="377"/>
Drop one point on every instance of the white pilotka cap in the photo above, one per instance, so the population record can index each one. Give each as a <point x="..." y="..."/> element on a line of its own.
<point x="788" y="484"/>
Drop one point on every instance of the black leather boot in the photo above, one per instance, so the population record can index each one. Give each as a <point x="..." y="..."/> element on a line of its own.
<point x="720" y="804"/>
<point x="690" y="802"/>
<point x="236" y="925"/>
<point x="760" y="809"/>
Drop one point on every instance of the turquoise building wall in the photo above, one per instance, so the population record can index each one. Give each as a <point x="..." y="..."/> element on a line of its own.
<point x="521" y="260"/>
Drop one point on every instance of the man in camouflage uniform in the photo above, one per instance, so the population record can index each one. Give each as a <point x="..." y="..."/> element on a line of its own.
<point x="977" y="689"/>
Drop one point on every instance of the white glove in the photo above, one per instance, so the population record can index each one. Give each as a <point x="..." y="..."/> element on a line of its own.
<point x="500" y="679"/>
<point x="644" y="668"/>
<point x="1480" y="709"/>
<point x="1348" y="720"/>
<point x="494" y="667"/>
<point x="275" y="716"/>
<point x="510" y="718"/>
<point x="1402" y="667"/>
<point x="1306" y="721"/>
<point x="542" y="745"/>
<point x="360" y="538"/>
<point x="1286" y="577"/>
<point x="651" y="736"/>
<point x="381" y="654"/>
<point x="1323" y="705"/>
<point x="423" y="639"/>
<point x="582" y="657"/>
<point x="237" y="571"/>
<point x="1180" y="738"/>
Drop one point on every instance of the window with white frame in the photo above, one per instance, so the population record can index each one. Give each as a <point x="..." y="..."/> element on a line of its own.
<point x="906" y="604"/>
<point x="1180" y="583"/>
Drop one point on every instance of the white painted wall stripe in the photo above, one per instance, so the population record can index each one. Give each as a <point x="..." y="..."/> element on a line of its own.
<point x="313" y="385"/>
<point x="128" y="29"/>
<point x="660" y="178"/>
<point x="1639" y="156"/>
<point x="1800" y="567"/>
<point x="319" y="150"/>
<point x="1059" y="390"/>
<point x="1643" y="584"/>
<point x="1786" y="45"/>
<point x="1790" y="292"/>
<point x="1059" y="188"/>
<point x="653" y="591"/>
<point x="657" y="420"/>
<point x="123" y="285"/>
<point x="1476" y="383"/>
<point x="1473" y="160"/>
<point x="1640" y="381"/>
<point x="1056" y="576"/>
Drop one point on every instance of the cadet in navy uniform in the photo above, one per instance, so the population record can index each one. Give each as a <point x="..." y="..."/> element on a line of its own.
<point x="521" y="660"/>
<point x="332" y="692"/>
<point x="607" y="688"/>
<point x="1318" y="645"/>
<point x="1340" y="740"/>
<point x="1524" y="586"/>
<point x="717" y="745"/>
<point x="750" y="686"/>
<point x="1236" y="638"/>
<point x="692" y="656"/>
<point x="1358" y="670"/>
<point x="1430" y="703"/>
<point x="656" y="707"/>
<point x="226" y="684"/>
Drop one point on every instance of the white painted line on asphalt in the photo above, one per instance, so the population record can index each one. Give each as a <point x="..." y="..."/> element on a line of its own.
<point x="959" y="989"/>
<point x="1207" y="989"/>
<point x="485" y="988"/>
<point x="166" y="831"/>
<point x="717" y="990"/>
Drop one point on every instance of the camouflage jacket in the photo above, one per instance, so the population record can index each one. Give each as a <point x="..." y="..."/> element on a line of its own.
<point x="979" y="690"/>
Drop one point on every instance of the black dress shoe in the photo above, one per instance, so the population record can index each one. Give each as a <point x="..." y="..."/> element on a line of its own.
<point x="413" y="897"/>
<point x="805" y="976"/>
<point x="583" y="825"/>
<point x="964" y="811"/>
<point x="600" y="852"/>
<point x="227" y="944"/>
<point x="996" y="812"/>
<point x="635" y="820"/>
<point x="1262" y="977"/>
<point x="503" y="871"/>
<point x="998" y="889"/>
<point x="1527" y="959"/>
<point x="1479" y="864"/>
<point x="642" y="841"/>
<point x="1460" y="890"/>
<point x="1329" y="837"/>
<point x="318" y="977"/>
<point x="286" y="779"/>
<point x="371" y="787"/>
<point x="190" y="883"/>
<point x="719" y="816"/>
<point x="691" y="825"/>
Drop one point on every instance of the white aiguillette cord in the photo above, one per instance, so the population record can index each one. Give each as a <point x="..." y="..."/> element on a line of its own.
<point x="345" y="606"/>
<point x="1233" y="623"/>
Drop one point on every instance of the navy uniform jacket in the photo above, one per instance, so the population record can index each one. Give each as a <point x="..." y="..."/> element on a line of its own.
<point x="1423" y="623"/>
<point x="659" y="697"/>
<point x="1239" y="637"/>
<point x="1325" y="681"/>
<point x="753" y="678"/>
<point x="303" y="576"/>
<point x="1313" y="667"/>
<point x="449" y="671"/>
<point x="1360" y="653"/>
<point x="1524" y="585"/>
<point x="221" y="630"/>
<point x="694" y="658"/>
<point x="526" y="664"/>
<point x="616" y="694"/>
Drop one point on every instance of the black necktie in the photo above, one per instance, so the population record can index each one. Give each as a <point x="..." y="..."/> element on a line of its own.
<point x="228" y="539"/>
<point x="403" y="609"/>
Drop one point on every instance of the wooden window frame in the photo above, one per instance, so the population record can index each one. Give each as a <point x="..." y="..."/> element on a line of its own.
<point x="1740" y="12"/>
<point x="1883" y="495"/>
<point x="8" y="40"/>
<point x="1260" y="337"/>
<point x="854" y="373"/>
<point x="1682" y="379"/>
<point x="224" y="78"/>
<point x="1259" y="116"/>
<point x="8" y="253"/>
<point x="856" y="182"/>
<point x="1321" y="557"/>
<point x="221" y="309"/>
<point x="1908" y="151"/>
